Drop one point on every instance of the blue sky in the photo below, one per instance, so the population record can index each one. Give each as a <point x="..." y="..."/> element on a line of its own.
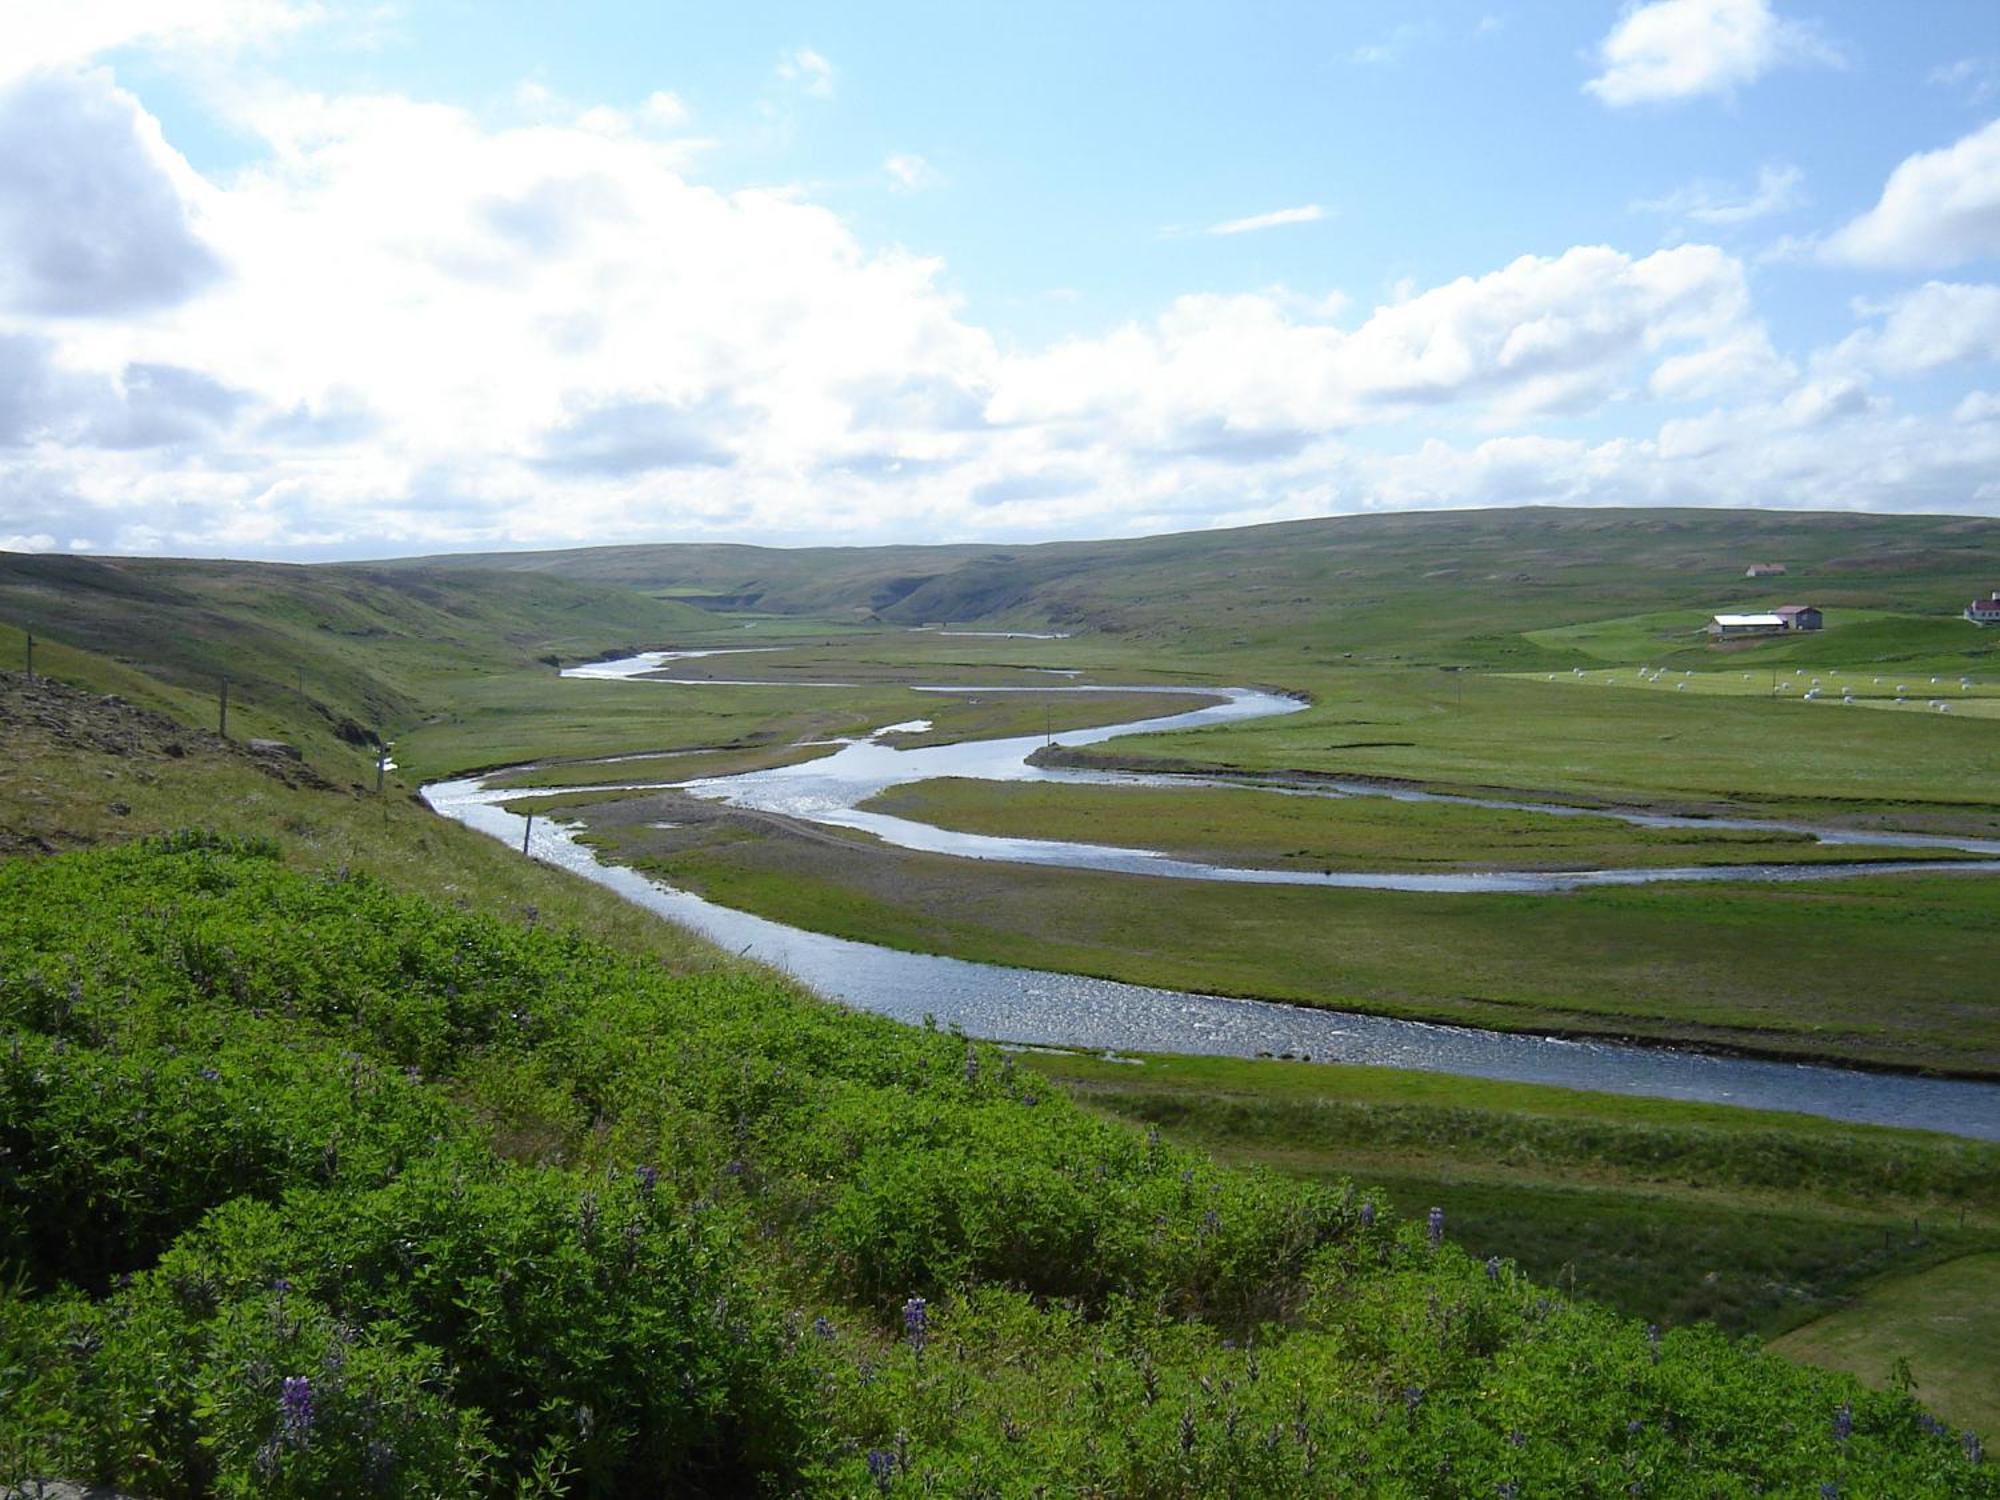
<point x="442" y="275"/>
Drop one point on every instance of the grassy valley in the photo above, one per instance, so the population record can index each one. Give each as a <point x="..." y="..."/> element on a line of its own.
<point x="537" y="1194"/>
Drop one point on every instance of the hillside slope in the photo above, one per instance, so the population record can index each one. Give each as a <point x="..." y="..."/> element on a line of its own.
<point x="1367" y="583"/>
<point x="328" y="656"/>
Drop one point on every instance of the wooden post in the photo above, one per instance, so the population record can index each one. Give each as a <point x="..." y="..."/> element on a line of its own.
<point x="31" y="656"/>
<point x="527" y="829"/>
<point x="222" y="711"/>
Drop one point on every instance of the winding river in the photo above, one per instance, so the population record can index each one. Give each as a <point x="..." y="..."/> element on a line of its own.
<point x="1040" y="1008"/>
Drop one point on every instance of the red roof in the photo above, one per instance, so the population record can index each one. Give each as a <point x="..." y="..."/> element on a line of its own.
<point x="1795" y="609"/>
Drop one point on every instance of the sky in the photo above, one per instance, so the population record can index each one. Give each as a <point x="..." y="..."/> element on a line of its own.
<point x="319" y="279"/>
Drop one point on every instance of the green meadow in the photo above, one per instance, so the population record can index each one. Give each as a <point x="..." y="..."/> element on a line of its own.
<point x="485" y="1149"/>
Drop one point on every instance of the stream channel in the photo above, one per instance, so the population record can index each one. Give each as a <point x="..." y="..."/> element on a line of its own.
<point x="1039" y="1008"/>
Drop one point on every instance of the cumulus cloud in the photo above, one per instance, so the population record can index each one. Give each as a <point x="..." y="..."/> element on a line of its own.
<point x="1676" y="49"/>
<point x="59" y="35"/>
<point x="96" y="213"/>
<point x="1308" y="213"/>
<point x="1541" y="335"/>
<point x="437" y="330"/>
<point x="1938" y="209"/>
<point x="1940" y="323"/>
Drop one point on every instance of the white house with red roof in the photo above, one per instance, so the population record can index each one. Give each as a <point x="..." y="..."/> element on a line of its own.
<point x="1984" y="611"/>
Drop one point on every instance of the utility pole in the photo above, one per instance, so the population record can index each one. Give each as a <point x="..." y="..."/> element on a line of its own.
<point x="222" y="711"/>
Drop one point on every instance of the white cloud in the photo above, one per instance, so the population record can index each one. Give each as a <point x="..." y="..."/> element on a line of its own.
<point x="97" y="213"/>
<point x="1779" y="188"/>
<point x="1938" y="209"/>
<point x="1940" y="323"/>
<point x="808" y="71"/>
<point x="435" y="331"/>
<point x="1676" y="49"/>
<point x="909" y="173"/>
<point x="1561" y="334"/>
<point x="67" y="32"/>
<point x="1977" y="79"/>
<point x="1308" y="213"/>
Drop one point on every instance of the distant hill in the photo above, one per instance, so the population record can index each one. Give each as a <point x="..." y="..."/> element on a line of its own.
<point x="1364" y="582"/>
<point x="327" y="655"/>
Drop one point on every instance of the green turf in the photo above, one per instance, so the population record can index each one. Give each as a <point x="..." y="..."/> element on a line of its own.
<point x="1944" y="1321"/>
<point x="1280" y="830"/>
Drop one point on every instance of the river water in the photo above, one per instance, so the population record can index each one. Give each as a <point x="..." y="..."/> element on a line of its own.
<point x="1041" y="1008"/>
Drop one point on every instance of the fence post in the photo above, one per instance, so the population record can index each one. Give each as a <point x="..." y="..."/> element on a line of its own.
<point x="31" y="656"/>
<point x="222" y="711"/>
<point x="525" y="831"/>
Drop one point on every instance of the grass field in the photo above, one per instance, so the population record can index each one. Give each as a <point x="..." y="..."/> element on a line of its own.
<point x="1785" y="970"/>
<point x="1282" y="830"/>
<point x="1667" y="1210"/>
<point x="1944" y="1321"/>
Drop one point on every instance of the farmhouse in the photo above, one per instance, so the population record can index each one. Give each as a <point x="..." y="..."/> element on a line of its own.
<point x="1764" y="570"/>
<point x="1984" y="611"/>
<point x="1799" y="616"/>
<point x="1729" y="627"/>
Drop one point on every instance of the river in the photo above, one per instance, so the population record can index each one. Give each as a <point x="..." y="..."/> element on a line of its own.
<point x="1041" y="1008"/>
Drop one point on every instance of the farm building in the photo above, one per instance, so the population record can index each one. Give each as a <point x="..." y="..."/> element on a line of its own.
<point x="1729" y="627"/>
<point x="1799" y="616"/>
<point x="1984" y="611"/>
<point x="1764" y="570"/>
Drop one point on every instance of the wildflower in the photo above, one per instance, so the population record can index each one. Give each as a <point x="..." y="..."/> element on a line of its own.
<point x="295" y="1409"/>
<point x="586" y="1215"/>
<point x="647" y="1177"/>
<point x="1367" y="1216"/>
<point x="1413" y="1396"/>
<point x="735" y="1167"/>
<point x="1436" y="1227"/>
<point x="971" y="1066"/>
<point x="211" y="1074"/>
<point x="1653" y="1340"/>
<point x="1829" y="1491"/>
<point x="1843" y="1423"/>
<point x="823" y="1327"/>
<point x="881" y="1468"/>
<point x="916" y="1322"/>
<point x="1974" y="1450"/>
<point x="1492" y="1268"/>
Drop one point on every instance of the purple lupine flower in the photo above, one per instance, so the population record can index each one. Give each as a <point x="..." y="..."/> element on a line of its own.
<point x="1492" y="1268"/>
<point x="295" y="1409"/>
<point x="1367" y="1216"/>
<point x="1436" y="1227"/>
<point x="735" y="1167"/>
<point x="1974" y="1450"/>
<point x="823" y="1327"/>
<point x="1413" y="1396"/>
<point x="210" y="1074"/>
<point x="647" y="1177"/>
<point x="1653" y="1340"/>
<point x="881" y="1468"/>
<point x="971" y="1066"/>
<point x="916" y="1322"/>
<point x="1843" y="1423"/>
<point x="1829" y="1491"/>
